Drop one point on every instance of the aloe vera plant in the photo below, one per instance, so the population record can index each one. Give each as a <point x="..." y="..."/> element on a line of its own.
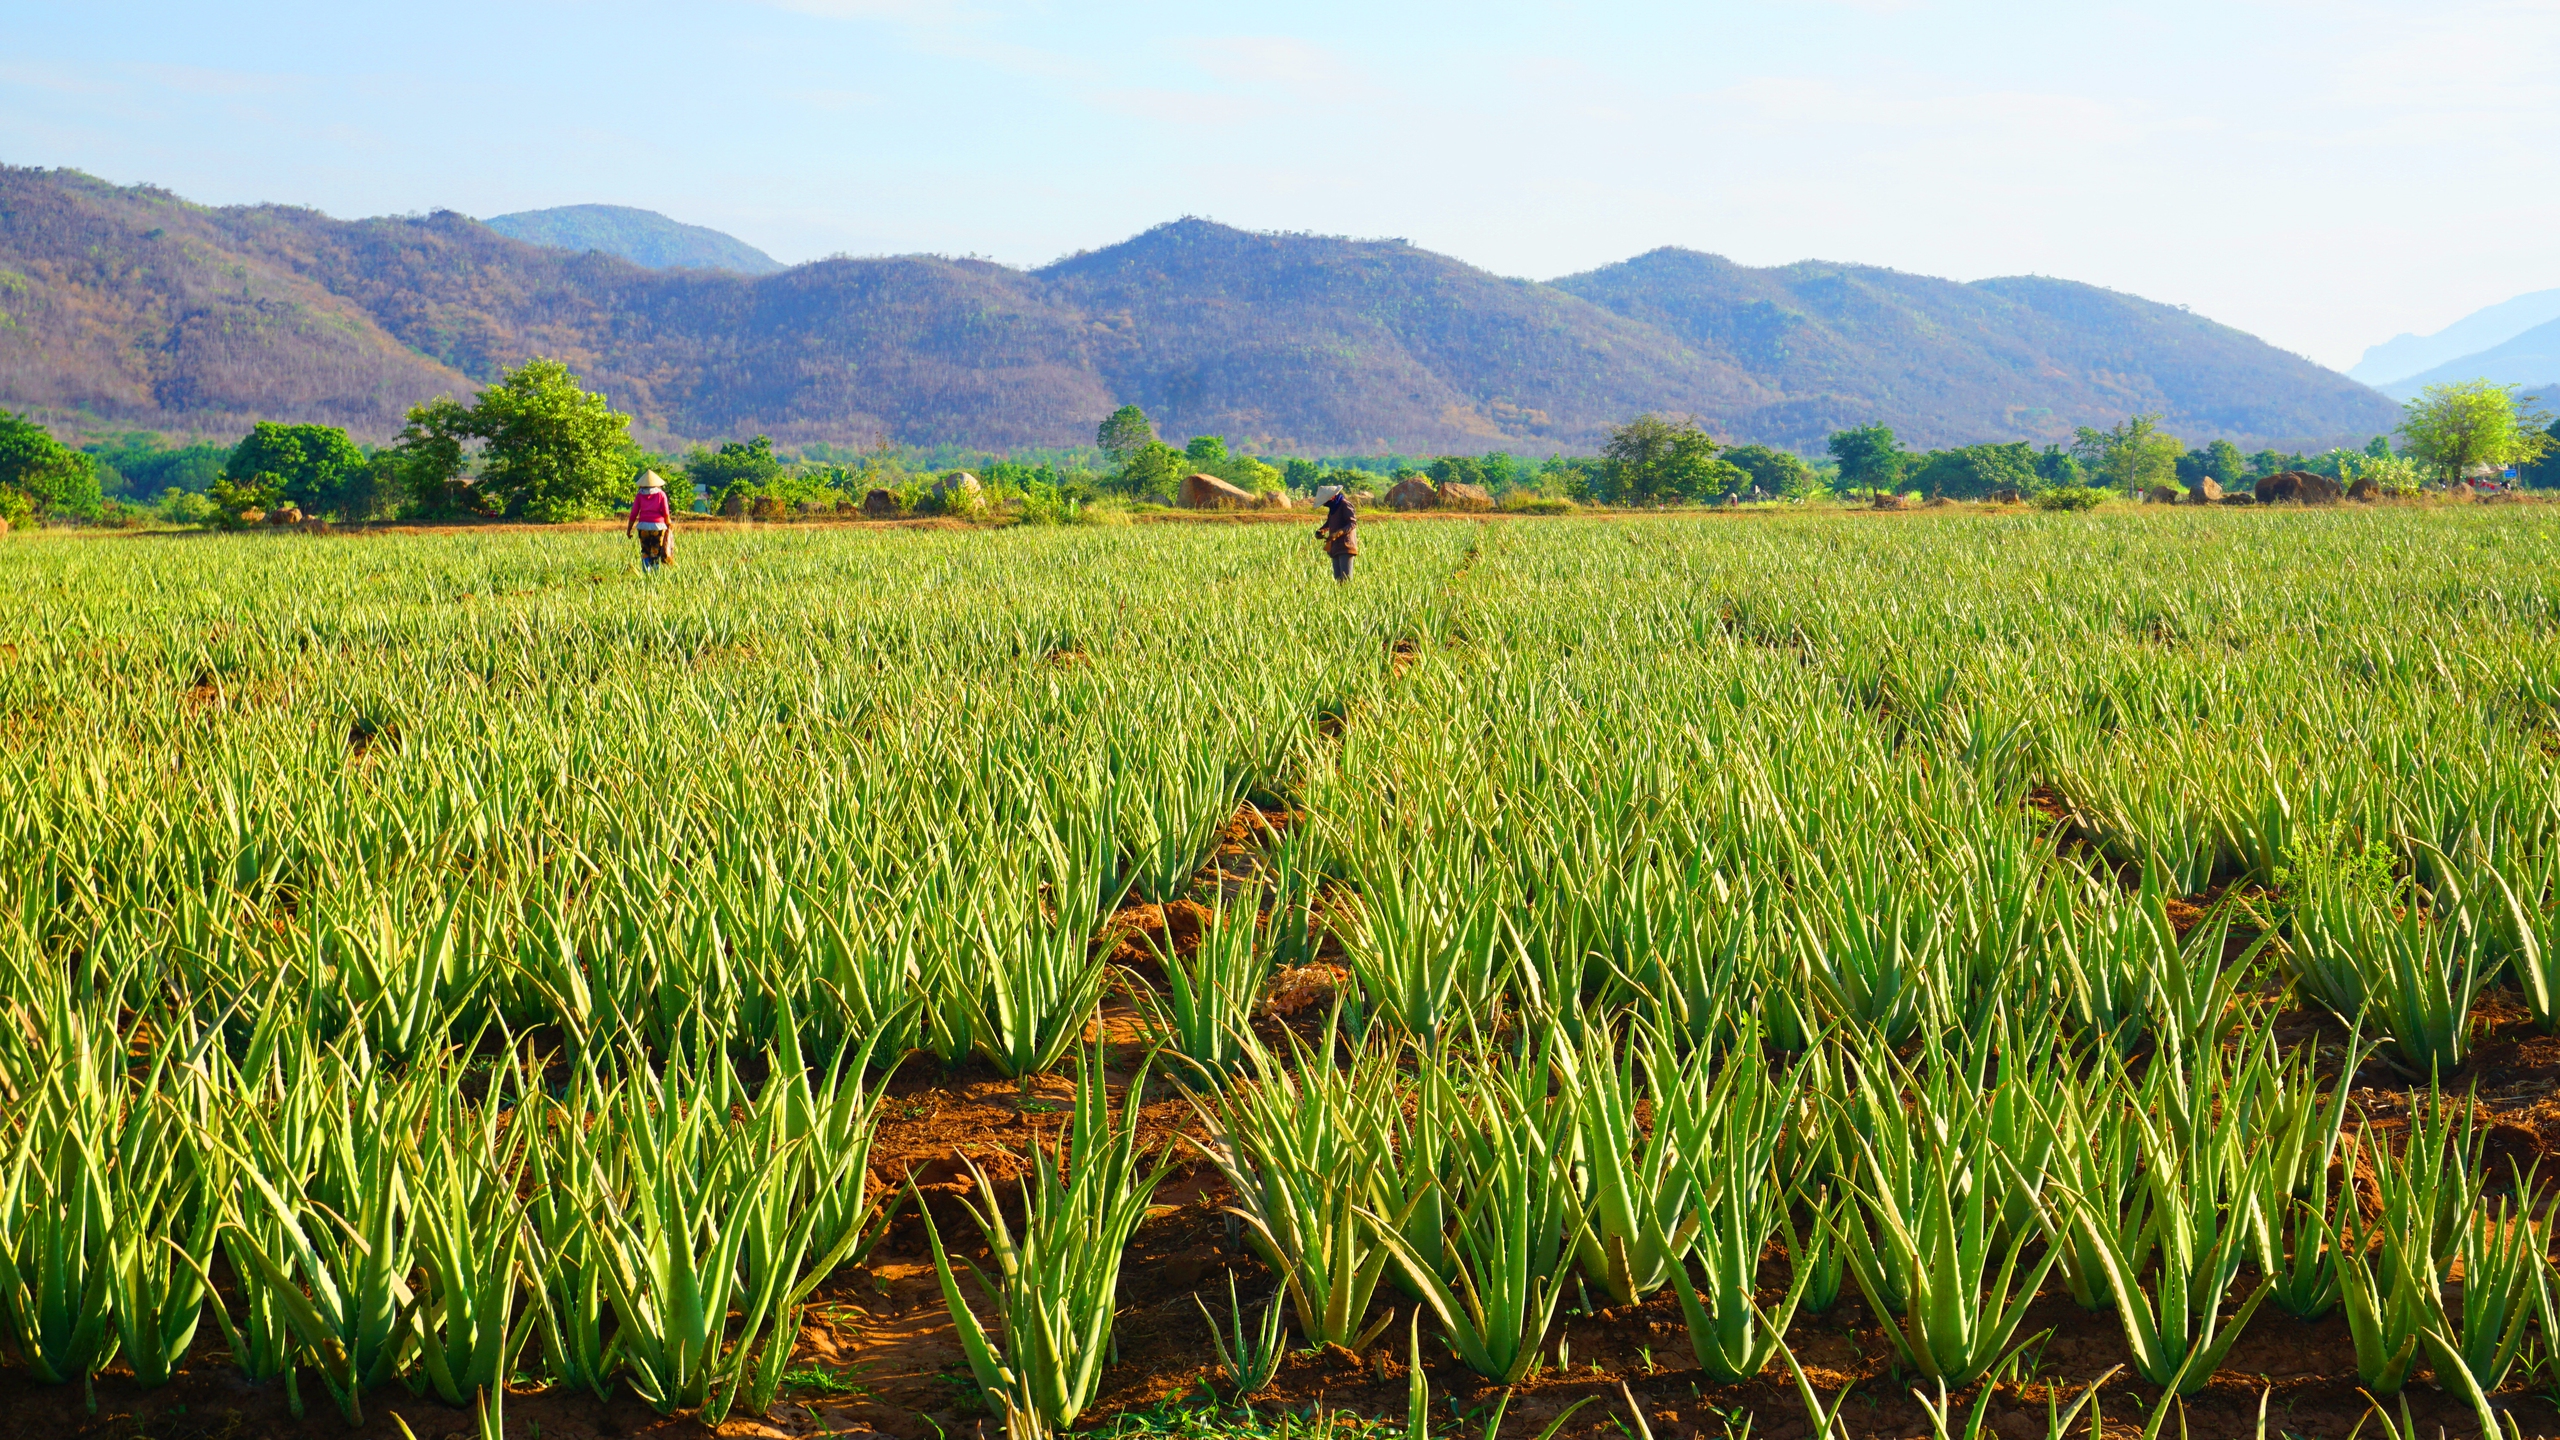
<point x="1957" y="1293"/>
<point x="1636" y="1182"/>
<point x="1055" y="1283"/>
<point x="341" y="1272"/>
<point x="2188" y="1227"/>
<point x="1432" y="949"/>
<point x="2392" y="1289"/>
<point x="706" y="1227"/>
<point x="1250" y="1356"/>
<point x="1209" y="994"/>
<point x="1740" y="1204"/>
<point x="471" y="1236"/>
<point x="1300" y="1147"/>
<point x="2503" y="1267"/>
<point x="1037" y="979"/>
<point x="1509" y="1228"/>
<point x="300" y="851"/>
<point x="57" y="1266"/>
<point x="1875" y="951"/>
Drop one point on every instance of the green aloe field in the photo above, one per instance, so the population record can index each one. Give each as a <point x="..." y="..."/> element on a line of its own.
<point x="1930" y="970"/>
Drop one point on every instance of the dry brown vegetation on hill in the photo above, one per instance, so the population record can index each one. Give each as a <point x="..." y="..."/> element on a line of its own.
<point x="132" y="307"/>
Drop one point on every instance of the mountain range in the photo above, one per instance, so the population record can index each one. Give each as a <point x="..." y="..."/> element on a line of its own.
<point x="643" y="237"/>
<point x="2404" y="364"/>
<point x="130" y="307"/>
<point x="2530" y="359"/>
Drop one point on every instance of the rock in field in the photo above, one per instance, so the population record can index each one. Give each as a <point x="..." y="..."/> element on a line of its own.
<point x="1208" y="492"/>
<point x="1413" y="494"/>
<point x="2298" y="486"/>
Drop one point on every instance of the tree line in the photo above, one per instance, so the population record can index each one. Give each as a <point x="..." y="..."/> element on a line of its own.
<point x="539" y="446"/>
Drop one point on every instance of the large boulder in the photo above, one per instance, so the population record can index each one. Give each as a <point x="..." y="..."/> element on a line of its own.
<point x="1413" y="494"/>
<point x="2239" y="497"/>
<point x="2365" y="489"/>
<point x="287" y="515"/>
<point x="959" y="493"/>
<point x="1272" y="500"/>
<point x="1887" y="500"/>
<point x="1458" y="495"/>
<point x="2160" y="495"/>
<point x="2207" y="491"/>
<point x="2002" y="497"/>
<point x="1208" y="492"/>
<point x="2300" y="487"/>
<point x="880" y="505"/>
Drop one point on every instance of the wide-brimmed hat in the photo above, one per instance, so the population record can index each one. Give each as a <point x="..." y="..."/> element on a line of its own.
<point x="1325" y="493"/>
<point x="649" y="481"/>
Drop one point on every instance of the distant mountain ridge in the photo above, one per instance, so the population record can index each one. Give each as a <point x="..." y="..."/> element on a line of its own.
<point x="135" y="307"/>
<point x="2529" y="359"/>
<point x="2404" y="356"/>
<point x="643" y="237"/>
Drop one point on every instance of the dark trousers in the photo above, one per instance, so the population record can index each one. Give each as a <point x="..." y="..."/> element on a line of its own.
<point x="1341" y="567"/>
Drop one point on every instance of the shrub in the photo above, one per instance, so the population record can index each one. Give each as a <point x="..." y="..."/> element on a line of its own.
<point x="2067" y="497"/>
<point x="185" y="507"/>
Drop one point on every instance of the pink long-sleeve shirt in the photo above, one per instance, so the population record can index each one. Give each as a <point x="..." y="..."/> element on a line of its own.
<point x="649" y="505"/>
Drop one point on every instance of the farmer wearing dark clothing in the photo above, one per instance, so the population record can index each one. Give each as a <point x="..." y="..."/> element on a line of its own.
<point x="1339" y="531"/>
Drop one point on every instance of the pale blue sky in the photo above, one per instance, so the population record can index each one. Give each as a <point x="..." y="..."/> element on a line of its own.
<point x="2323" y="174"/>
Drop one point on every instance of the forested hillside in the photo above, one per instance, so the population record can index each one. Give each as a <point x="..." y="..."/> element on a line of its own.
<point x="131" y="307"/>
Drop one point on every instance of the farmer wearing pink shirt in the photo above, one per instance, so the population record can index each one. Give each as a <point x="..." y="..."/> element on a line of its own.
<point x="654" y="523"/>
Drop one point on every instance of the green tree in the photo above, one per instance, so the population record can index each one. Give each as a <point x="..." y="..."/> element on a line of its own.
<point x="235" y="500"/>
<point x="1653" y="459"/>
<point x="316" y="467"/>
<point x="135" y="464"/>
<point x="550" y="450"/>
<point x="41" y="476"/>
<point x="2218" y="461"/>
<point x="426" y="461"/>
<point x="1578" y="479"/>
<point x="1870" y="457"/>
<point x="2544" y="472"/>
<point x="1205" y="450"/>
<point x="740" y="468"/>
<point x="1456" y="470"/>
<point x="2132" y="456"/>
<point x="2273" y="462"/>
<point x="1156" y="470"/>
<point x="1777" y="472"/>
<point x="1301" y="473"/>
<point x="2057" y="466"/>
<point x="1124" y="433"/>
<point x="2451" y="429"/>
<point x="1971" y="471"/>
